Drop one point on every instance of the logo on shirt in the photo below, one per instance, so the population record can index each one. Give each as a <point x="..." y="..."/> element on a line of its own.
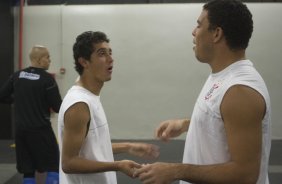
<point x="210" y="92"/>
<point x="30" y="76"/>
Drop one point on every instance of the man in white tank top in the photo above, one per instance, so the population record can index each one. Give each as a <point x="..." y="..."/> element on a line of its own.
<point x="229" y="134"/>
<point x="86" y="151"/>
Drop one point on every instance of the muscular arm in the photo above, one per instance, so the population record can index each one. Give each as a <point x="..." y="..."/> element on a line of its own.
<point x="75" y="127"/>
<point x="242" y="110"/>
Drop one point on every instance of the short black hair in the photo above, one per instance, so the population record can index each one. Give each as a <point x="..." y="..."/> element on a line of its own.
<point x="234" y="18"/>
<point x="84" y="46"/>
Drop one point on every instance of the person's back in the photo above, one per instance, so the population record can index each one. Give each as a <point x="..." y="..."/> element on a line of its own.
<point x="35" y="92"/>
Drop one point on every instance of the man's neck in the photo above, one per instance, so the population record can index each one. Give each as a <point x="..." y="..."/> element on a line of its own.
<point x="225" y="58"/>
<point x="92" y="86"/>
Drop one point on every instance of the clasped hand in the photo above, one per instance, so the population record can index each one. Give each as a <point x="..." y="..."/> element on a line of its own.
<point x="156" y="173"/>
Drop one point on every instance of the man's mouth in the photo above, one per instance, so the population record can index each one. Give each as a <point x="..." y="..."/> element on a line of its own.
<point x="110" y="69"/>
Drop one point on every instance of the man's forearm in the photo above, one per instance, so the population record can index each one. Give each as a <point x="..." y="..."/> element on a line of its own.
<point x="226" y="173"/>
<point x="185" y="126"/>
<point x="80" y="165"/>
<point x="120" y="147"/>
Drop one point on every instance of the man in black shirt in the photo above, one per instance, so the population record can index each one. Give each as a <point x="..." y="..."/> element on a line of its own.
<point x="34" y="93"/>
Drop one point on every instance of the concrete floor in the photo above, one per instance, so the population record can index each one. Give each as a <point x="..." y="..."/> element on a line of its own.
<point x="170" y="152"/>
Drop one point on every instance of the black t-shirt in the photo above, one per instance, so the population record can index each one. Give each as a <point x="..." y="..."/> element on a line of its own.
<point x="34" y="93"/>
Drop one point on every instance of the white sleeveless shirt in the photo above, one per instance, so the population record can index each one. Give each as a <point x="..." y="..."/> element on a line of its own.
<point x="206" y="141"/>
<point x="97" y="144"/>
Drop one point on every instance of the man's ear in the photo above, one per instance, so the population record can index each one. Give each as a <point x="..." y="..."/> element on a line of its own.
<point x="218" y="34"/>
<point x="83" y="62"/>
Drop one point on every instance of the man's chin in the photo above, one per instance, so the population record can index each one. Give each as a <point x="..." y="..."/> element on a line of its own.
<point x="108" y="79"/>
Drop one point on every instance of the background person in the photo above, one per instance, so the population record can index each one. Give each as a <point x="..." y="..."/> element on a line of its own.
<point x="34" y="93"/>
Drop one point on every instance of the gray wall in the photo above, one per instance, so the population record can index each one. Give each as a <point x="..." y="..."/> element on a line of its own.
<point x="156" y="76"/>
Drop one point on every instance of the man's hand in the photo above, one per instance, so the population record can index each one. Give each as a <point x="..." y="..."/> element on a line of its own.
<point x="128" y="167"/>
<point x="143" y="150"/>
<point x="157" y="173"/>
<point x="171" y="128"/>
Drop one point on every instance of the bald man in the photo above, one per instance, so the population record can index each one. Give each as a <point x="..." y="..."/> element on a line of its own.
<point x="34" y="93"/>
<point x="39" y="57"/>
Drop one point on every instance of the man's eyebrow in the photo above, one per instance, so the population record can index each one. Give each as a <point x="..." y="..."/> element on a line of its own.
<point x="104" y="49"/>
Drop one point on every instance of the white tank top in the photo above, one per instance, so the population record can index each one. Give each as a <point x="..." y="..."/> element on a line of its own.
<point x="206" y="141"/>
<point x="97" y="144"/>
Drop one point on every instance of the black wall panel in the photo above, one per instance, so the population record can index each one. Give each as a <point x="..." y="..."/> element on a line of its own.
<point x="6" y="64"/>
<point x="81" y="2"/>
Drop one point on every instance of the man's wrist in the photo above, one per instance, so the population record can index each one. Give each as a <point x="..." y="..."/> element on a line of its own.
<point x="185" y="125"/>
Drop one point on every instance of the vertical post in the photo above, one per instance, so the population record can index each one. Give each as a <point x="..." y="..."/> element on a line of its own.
<point x="21" y="35"/>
